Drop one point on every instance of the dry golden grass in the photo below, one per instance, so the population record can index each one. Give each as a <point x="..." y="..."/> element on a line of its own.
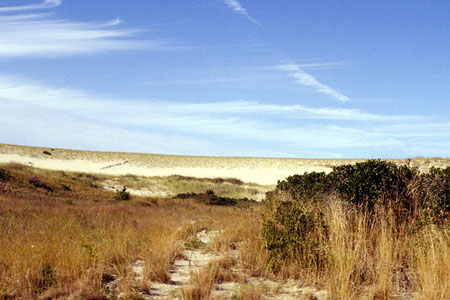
<point x="72" y="240"/>
<point x="385" y="260"/>
<point x="251" y="292"/>
<point x="202" y="282"/>
<point x="432" y="264"/>
<point x="376" y="259"/>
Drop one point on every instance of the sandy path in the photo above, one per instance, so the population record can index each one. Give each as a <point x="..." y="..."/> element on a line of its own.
<point x="194" y="260"/>
<point x="181" y="270"/>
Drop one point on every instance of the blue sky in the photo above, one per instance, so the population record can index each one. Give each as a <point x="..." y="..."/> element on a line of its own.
<point x="313" y="79"/>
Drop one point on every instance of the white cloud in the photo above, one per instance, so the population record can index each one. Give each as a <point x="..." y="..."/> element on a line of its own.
<point x="237" y="7"/>
<point x="306" y="79"/>
<point x="32" y="109"/>
<point x="114" y="22"/>
<point x="34" y="92"/>
<point x="25" y="35"/>
<point x="319" y="66"/>
<point x="35" y="125"/>
<point x="43" y="5"/>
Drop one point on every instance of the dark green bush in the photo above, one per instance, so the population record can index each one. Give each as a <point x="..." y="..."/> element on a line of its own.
<point x="366" y="185"/>
<point x="375" y="182"/>
<point x="38" y="183"/>
<point x="441" y="188"/>
<point x="294" y="232"/>
<point x="210" y="198"/>
<point x="434" y="189"/>
<point x="312" y="185"/>
<point x="123" y="195"/>
<point x="4" y="175"/>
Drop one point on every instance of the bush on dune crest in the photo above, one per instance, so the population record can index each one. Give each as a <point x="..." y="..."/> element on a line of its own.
<point x="372" y="185"/>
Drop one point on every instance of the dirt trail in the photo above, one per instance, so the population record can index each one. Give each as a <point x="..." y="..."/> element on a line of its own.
<point x="195" y="259"/>
<point x="182" y="269"/>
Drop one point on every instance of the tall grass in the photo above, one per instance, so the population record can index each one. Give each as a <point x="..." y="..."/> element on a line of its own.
<point x="375" y="257"/>
<point x="432" y="263"/>
<point x="73" y="240"/>
<point x="82" y="245"/>
<point x="372" y="230"/>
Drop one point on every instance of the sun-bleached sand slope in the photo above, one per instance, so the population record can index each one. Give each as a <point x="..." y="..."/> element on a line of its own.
<point x="264" y="171"/>
<point x="260" y="174"/>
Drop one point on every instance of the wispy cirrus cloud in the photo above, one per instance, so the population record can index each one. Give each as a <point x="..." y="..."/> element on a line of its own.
<point x="237" y="7"/>
<point x="114" y="22"/>
<point x="43" y="5"/>
<point x="27" y="91"/>
<point x="32" y="109"/>
<point x="320" y="65"/>
<point x="38" y="34"/>
<point x="303" y="78"/>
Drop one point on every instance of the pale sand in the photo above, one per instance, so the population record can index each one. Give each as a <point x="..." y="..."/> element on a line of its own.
<point x="263" y="171"/>
<point x="258" y="174"/>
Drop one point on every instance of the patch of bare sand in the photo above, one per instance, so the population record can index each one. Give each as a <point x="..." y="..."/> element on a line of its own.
<point x="180" y="272"/>
<point x="260" y="173"/>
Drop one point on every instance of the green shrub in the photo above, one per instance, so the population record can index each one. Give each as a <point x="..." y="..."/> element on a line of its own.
<point x="375" y="182"/>
<point x="4" y="175"/>
<point x="366" y="185"/>
<point x="435" y="192"/>
<point x="293" y="232"/>
<point x="293" y="224"/>
<point x="210" y="198"/>
<point x="123" y="195"/>
<point x="312" y="185"/>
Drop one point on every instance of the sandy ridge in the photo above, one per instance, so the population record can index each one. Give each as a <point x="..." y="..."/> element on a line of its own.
<point x="264" y="171"/>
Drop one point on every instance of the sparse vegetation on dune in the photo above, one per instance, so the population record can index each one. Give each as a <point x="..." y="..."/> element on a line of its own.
<point x="156" y="186"/>
<point x="373" y="230"/>
<point x="176" y="184"/>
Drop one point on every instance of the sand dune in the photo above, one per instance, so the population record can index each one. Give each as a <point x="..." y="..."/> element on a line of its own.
<point x="257" y="173"/>
<point x="264" y="171"/>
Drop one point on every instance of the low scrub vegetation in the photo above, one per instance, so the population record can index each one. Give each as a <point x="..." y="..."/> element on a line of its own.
<point x="122" y="195"/>
<point x="4" y="175"/>
<point x="372" y="229"/>
<point x="211" y="198"/>
<point x="172" y="185"/>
